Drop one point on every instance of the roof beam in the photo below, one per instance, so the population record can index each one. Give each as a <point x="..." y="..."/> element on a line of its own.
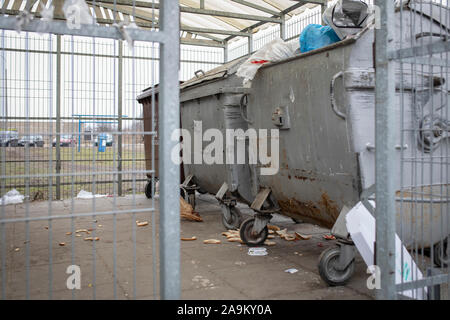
<point x="257" y="7"/>
<point x="188" y="9"/>
<point x="140" y="14"/>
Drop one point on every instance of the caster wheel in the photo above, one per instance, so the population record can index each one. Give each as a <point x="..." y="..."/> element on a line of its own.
<point x="191" y="200"/>
<point x="327" y="262"/>
<point x="440" y="255"/>
<point x="235" y="220"/>
<point x="249" y="238"/>
<point x="149" y="190"/>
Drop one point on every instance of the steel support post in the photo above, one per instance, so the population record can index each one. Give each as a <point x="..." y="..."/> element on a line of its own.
<point x="385" y="133"/>
<point x="169" y="121"/>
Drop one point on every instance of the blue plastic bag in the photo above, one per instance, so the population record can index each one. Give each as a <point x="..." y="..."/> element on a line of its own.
<point x="315" y="36"/>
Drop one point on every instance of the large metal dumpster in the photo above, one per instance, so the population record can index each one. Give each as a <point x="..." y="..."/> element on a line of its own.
<point x="323" y="104"/>
<point x="212" y="100"/>
<point x="149" y="113"/>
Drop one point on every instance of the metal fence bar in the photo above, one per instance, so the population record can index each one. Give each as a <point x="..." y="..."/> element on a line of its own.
<point x="385" y="133"/>
<point x="58" y="115"/>
<point x="169" y="121"/>
<point x="120" y="115"/>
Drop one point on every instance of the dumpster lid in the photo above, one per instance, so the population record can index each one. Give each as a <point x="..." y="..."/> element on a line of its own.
<point x="147" y="92"/>
<point x="219" y="72"/>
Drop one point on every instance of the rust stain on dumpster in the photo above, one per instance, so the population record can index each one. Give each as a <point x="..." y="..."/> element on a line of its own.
<point x="329" y="206"/>
<point x="306" y="209"/>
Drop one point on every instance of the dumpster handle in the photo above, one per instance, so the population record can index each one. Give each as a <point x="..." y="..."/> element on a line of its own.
<point x="199" y="71"/>
<point x="333" y="101"/>
<point x="242" y="105"/>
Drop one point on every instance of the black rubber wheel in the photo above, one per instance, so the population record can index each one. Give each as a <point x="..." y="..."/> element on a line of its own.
<point x="149" y="190"/>
<point x="327" y="262"/>
<point x="246" y="233"/>
<point x="235" y="221"/>
<point x="440" y="256"/>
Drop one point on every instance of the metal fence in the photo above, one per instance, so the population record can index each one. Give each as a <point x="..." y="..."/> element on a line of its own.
<point x="63" y="93"/>
<point x="85" y="73"/>
<point x="412" y="149"/>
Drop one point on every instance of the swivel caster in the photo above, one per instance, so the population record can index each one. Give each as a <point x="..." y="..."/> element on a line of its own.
<point x="149" y="189"/>
<point x="333" y="268"/>
<point x="249" y="236"/>
<point x="440" y="254"/>
<point x="231" y="217"/>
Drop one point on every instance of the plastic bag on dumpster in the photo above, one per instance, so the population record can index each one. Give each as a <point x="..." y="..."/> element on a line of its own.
<point x="315" y="36"/>
<point x="274" y="51"/>
<point x="349" y="17"/>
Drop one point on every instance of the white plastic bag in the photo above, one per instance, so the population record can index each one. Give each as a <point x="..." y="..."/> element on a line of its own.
<point x="76" y="13"/>
<point x="11" y="197"/>
<point x="88" y="195"/>
<point x="274" y="51"/>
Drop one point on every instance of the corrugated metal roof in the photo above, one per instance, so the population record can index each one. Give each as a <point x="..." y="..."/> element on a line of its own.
<point x="219" y="15"/>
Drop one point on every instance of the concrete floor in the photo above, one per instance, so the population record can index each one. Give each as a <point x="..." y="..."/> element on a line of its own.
<point x="223" y="271"/>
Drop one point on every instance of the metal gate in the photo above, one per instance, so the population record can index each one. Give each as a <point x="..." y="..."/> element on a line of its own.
<point x="412" y="149"/>
<point x="73" y="110"/>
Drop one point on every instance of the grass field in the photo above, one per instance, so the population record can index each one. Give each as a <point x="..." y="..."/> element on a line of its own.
<point x="42" y="161"/>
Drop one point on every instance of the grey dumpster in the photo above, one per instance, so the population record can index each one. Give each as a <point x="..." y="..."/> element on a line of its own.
<point x="212" y="100"/>
<point x="323" y="103"/>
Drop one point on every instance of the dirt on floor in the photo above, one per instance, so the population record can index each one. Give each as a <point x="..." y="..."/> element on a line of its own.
<point x="123" y="262"/>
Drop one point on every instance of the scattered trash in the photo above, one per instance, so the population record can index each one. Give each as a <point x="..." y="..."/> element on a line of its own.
<point x="275" y="50"/>
<point x="141" y="223"/>
<point x="17" y="249"/>
<point x="92" y="239"/>
<point x="285" y="235"/>
<point x="62" y="244"/>
<point x="46" y="227"/>
<point x="291" y="270"/>
<point x="302" y="236"/>
<point x="82" y="230"/>
<point x="68" y="233"/>
<point x="271" y="232"/>
<point x="11" y="197"/>
<point x="90" y="285"/>
<point x="257" y="251"/>
<point x="272" y="228"/>
<point x="100" y="225"/>
<point x="269" y="243"/>
<point x="235" y="239"/>
<point x="329" y="237"/>
<point x="88" y="195"/>
<point x="189" y="239"/>
<point x="78" y="235"/>
<point x="187" y="212"/>
<point x="212" y="241"/>
<point x="320" y="244"/>
<point x="270" y="236"/>
<point x="316" y="36"/>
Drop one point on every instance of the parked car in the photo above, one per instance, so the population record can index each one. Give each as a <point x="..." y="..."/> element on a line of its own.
<point x="9" y="138"/>
<point x="32" y="141"/>
<point x="65" y="141"/>
<point x="107" y="136"/>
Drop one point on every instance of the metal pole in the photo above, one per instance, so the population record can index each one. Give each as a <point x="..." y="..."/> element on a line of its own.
<point x="225" y="52"/>
<point x="58" y="116"/>
<point x="119" y="114"/>
<point x="283" y="27"/>
<point x="385" y="133"/>
<point x="169" y="120"/>
<point x="250" y="42"/>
